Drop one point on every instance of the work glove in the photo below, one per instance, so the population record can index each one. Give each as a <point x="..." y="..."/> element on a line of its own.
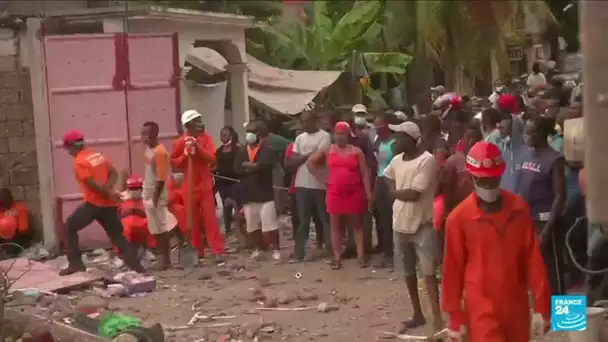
<point x="457" y="329"/>
<point x="190" y="143"/>
<point x="538" y="326"/>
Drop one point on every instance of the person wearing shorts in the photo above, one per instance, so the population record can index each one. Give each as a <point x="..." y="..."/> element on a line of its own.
<point x="255" y="163"/>
<point x="155" y="197"/>
<point x="412" y="179"/>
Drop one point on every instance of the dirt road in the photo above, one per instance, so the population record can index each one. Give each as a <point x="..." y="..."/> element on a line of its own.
<point x="367" y="302"/>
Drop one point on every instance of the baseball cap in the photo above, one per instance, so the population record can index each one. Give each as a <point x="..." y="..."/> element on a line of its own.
<point x="71" y="137"/>
<point x="408" y="128"/>
<point x="359" y="108"/>
<point x="190" y="115"/>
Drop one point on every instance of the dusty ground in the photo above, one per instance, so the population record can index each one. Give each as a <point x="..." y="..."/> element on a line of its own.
<point x="368" y="302"/>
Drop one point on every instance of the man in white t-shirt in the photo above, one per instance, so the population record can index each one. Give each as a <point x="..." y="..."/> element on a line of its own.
<point x="412" y="177"/>
<point x="310" y="191"/>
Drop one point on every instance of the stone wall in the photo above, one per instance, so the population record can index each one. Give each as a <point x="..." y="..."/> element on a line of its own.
<point x="18" y="163"/>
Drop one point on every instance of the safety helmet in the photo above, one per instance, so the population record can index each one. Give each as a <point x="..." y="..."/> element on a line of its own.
<point x="508" y="102"/>
<point x="484" y="160"/>
<point x="134" y="183"/>
<point x="190" y="115"/>
<point x="8" y="227"/>
<point x="72" y="137"/>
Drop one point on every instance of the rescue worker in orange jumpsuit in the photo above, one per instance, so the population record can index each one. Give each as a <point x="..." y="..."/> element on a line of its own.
<point x="491" y="258"/>
<point x="133" y="216"/>
<point x="177" y="207"/>
<point x="14" y="224"/>
<point x="198" y="145"/>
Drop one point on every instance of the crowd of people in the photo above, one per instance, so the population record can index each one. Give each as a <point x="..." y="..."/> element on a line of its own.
<point x="477" y="190"/>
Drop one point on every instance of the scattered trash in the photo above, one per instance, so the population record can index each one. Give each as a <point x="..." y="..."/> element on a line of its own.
<point x="36" y="252"/>
<point x="135" y="282"/>
<point x="306" y="308"/>
<point x="298" y="275"/>
<point x="111" y="324"/>
<point x="197" y="317"/>
<point x="435" y="337"/>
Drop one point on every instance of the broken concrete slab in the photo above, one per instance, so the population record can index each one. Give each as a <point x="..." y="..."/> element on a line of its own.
<point x="28" y="274"/>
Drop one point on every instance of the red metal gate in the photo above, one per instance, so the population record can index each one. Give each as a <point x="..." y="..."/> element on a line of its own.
<point x="107" y="85"/>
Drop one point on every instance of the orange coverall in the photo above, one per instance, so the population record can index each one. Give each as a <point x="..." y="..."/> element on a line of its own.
<point x="203" y="195"/>
<point x="177" y="207"/>
<point x="492" y="259"/>
<point x="135" y="228"/>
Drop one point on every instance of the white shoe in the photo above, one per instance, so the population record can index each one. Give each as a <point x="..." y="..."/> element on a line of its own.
<point x="256" y="254"/>
<point x="276" y="255"/>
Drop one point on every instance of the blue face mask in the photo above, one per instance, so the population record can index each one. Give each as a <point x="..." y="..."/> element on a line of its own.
<point x="251" y="138"/>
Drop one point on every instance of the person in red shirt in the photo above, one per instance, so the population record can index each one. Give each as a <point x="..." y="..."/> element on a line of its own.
<point x="492" y="258"/>
<point x="133" y="216"/>
<point x="14" y="224"/>
<point x="198" y="145"/>
<point x="455" y="182"/>
<point x="96" y="177"/>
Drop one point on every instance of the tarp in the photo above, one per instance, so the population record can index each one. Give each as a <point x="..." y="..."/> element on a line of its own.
<point x="285" y="91"/>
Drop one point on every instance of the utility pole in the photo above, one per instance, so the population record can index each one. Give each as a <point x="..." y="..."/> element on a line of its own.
<point x="594" y="21"/>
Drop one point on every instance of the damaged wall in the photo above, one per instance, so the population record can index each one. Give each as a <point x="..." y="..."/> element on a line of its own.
<point x="18" y="163"/>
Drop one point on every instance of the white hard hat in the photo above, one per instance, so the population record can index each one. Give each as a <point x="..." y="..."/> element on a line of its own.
<point x="190" y="115"/>
<point x="359" y="108"/>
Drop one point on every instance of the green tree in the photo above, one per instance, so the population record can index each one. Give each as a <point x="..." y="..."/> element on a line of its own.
<point x="328" y="41"/>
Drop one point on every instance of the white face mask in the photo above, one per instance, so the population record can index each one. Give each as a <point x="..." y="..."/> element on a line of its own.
<point x="251" y="138"/>
<point x="135" y="194"/>
<point x="487" y="195"/>
<point x="360" y="121"/>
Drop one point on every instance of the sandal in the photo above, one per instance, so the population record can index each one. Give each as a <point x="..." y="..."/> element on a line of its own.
<point x="336" y="264"/>
<point x="411" y="323"/>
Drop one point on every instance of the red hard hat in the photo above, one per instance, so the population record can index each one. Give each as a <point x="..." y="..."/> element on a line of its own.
<point x="8" y="227"/>
<point x="135" y="182"/>
<point x="508" y="102"/>
<point x="71" y="137"/>
<point x="484" y="160"/>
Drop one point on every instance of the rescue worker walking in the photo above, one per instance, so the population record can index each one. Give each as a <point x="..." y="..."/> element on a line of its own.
<point x="96" y="177"/>
<point x="492" y="257"/>
<point x="198" y="145"/>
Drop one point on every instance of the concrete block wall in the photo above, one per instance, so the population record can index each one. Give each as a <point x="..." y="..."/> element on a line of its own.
<point x="18" y="163"/>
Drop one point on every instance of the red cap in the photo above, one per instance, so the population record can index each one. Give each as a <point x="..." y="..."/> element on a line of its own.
<point x="508" y="102"/>
<point x="71" y="137"/>
<point x="342" y="127"/>
<point x="485" y="160"/>
<point x="134" y="182"/>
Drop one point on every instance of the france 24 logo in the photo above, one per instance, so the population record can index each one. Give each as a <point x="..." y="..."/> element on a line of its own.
<point x="568" y="313"/>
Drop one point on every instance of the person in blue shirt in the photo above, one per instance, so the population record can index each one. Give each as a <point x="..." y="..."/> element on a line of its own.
<point x="509" y="138"/>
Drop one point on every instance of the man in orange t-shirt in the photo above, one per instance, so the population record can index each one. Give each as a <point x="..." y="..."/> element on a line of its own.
<point x="14" y="223"/>
<point x="198" y="145"/>
<point x="96" y="177"/>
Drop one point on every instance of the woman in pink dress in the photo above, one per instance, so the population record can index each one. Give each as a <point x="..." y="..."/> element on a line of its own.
<point x="348" y="190"/>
